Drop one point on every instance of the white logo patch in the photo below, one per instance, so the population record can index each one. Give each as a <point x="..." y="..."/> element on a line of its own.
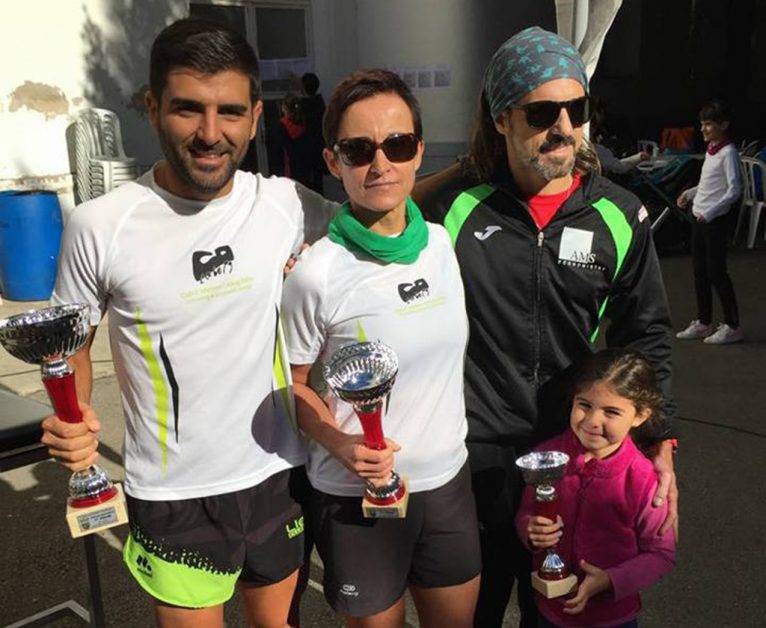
<point x="576" y="246"/>
<point x="350" y="590"/>
<point x="488" y="231"/>
<point x="642" y="214"/>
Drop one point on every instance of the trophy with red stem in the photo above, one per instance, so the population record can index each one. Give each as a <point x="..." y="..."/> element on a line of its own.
<point x="363" y="374"/>
<point x="542" y="469"/>
<point x="47" y="337"/>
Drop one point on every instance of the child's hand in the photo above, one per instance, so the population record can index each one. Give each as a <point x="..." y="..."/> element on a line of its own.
<point x="543" y="533"/>
<point x="596" y="580"/>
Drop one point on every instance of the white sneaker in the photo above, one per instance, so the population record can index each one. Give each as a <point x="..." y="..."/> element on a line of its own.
<point x="694" y="331"/>
<point x="725" y="335"/>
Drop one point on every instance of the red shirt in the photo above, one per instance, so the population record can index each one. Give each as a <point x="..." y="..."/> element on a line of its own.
<point x="543" y="207"/>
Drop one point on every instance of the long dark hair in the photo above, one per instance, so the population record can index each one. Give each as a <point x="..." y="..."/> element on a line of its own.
<point x="630" y="375"/>
<point x="488" y="152"/>
<point x="205" y="47"/>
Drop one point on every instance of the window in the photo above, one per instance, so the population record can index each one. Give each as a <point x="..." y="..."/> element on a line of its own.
<point x="278" y="30"/>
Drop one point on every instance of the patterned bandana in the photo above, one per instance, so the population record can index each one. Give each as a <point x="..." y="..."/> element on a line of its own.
<point x="526" y="61"/>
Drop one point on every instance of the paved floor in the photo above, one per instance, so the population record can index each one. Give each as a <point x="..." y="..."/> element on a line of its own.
<point x="719" y="580"/>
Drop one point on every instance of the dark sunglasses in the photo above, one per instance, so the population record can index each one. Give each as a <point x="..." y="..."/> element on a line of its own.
<point x="360" y="151"/>
<point x="544" y="113"/>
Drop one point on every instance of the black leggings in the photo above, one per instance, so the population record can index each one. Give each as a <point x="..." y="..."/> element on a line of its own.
<point x="709" y="242"/>
<point x="497" y="487"/>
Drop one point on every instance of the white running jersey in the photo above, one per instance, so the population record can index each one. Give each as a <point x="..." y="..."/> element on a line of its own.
<point x="192" y="290"/>
<point x="334" y="297"/>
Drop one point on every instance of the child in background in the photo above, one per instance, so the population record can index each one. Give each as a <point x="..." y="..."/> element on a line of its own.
<point x="719" y="187"/>
<point x="293" y="141"/>
<point x="313" y="110"/>
<point x="607" y="529"/>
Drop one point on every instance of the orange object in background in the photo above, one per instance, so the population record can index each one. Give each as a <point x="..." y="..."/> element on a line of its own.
<point x="677" y="138"/>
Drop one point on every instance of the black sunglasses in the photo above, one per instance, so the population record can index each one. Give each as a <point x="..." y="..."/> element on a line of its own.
<point x="544" y="113"/>
<point x="360" y="151"/>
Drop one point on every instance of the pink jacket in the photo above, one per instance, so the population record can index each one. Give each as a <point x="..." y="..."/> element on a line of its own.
<point x="609" y="521"/>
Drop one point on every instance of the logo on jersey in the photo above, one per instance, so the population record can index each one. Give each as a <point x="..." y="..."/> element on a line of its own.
<point x="575" y="249"/>
<point x="206" y="265"/>
<point x="483" y="235"/>
<point x="414" y="291"/>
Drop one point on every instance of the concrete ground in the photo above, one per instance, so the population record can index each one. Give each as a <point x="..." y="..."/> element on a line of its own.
<point x="718" y="582"/>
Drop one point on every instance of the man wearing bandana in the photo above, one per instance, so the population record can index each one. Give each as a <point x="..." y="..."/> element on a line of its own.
<point x="549" y="250"/>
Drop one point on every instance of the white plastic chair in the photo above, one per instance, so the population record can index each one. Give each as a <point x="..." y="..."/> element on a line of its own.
<point x="749" y="149"/>
<point x="100" y="160"/>
<point x="753" y="197"/>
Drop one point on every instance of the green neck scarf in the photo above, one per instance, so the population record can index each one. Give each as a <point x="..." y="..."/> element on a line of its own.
<point x="347" y="231"/>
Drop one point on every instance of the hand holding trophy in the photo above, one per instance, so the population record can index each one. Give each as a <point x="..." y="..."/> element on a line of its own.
<point x="542" y="469"/>
<point x="47" y="337"/>
<point x="363" y="374"/>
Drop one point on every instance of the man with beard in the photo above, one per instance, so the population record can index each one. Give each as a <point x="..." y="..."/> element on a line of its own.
<point x="547" y="249"/>
<point x="187" y="261"/>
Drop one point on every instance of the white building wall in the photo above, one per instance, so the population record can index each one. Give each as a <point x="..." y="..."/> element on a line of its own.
<point x="60" y="56"/>
<point x="460" y="35"/>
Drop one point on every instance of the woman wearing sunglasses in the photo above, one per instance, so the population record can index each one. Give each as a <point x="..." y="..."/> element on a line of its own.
<point x="547" y="249"/>
<point x="382" y="273"/>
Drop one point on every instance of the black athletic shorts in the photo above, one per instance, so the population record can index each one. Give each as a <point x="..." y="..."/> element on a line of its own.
<point x="368" y="563"/>
<point x="191" y="552"/>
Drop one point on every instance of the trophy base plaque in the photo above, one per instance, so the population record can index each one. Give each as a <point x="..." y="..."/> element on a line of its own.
<point x="397" y="510"/>
<point x="553" y="588"/>
<point x="99" y="517"/>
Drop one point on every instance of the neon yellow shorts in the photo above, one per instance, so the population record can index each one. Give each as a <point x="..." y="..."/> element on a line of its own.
<point x="191" y="552"/>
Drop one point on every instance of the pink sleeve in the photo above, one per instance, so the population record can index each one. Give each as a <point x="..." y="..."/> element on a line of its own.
<point x="656" y="554"/>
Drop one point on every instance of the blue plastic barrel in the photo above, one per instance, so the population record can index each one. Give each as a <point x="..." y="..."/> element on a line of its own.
<point x="30" y="236"/>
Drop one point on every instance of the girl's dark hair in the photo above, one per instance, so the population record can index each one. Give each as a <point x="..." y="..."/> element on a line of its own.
<point x="360" y="86"/>
<point x="716" y="111"/>
<point x="488" y="152"/>
<point x="310" y="82"/>
<point x="205" y="47"/>
<point x="630" y="375"/>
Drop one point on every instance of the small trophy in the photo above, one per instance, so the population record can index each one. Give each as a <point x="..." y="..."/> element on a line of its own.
<point x="542" y="469"/>
<point x="47" y="337"/>
<point x="363" y="374"/>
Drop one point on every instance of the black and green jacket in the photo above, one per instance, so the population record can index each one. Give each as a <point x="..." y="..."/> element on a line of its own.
<point x="537" y="300"/>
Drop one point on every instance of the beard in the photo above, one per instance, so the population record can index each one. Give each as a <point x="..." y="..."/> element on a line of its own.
<point x="550" y="168"/>
<point x="203" y="180"/>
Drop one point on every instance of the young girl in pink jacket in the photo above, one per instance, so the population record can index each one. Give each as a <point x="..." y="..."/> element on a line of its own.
<point x="607" y="528"/>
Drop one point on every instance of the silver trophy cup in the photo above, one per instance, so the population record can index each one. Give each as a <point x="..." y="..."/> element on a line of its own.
<point x="363" y="374"/>
<point x="542" y="469"/>
<point x="47" y="337"/>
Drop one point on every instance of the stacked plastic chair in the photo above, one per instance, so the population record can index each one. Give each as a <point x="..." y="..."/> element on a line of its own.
<point x="100" y="161"/>
<point x="753" y="197"/>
